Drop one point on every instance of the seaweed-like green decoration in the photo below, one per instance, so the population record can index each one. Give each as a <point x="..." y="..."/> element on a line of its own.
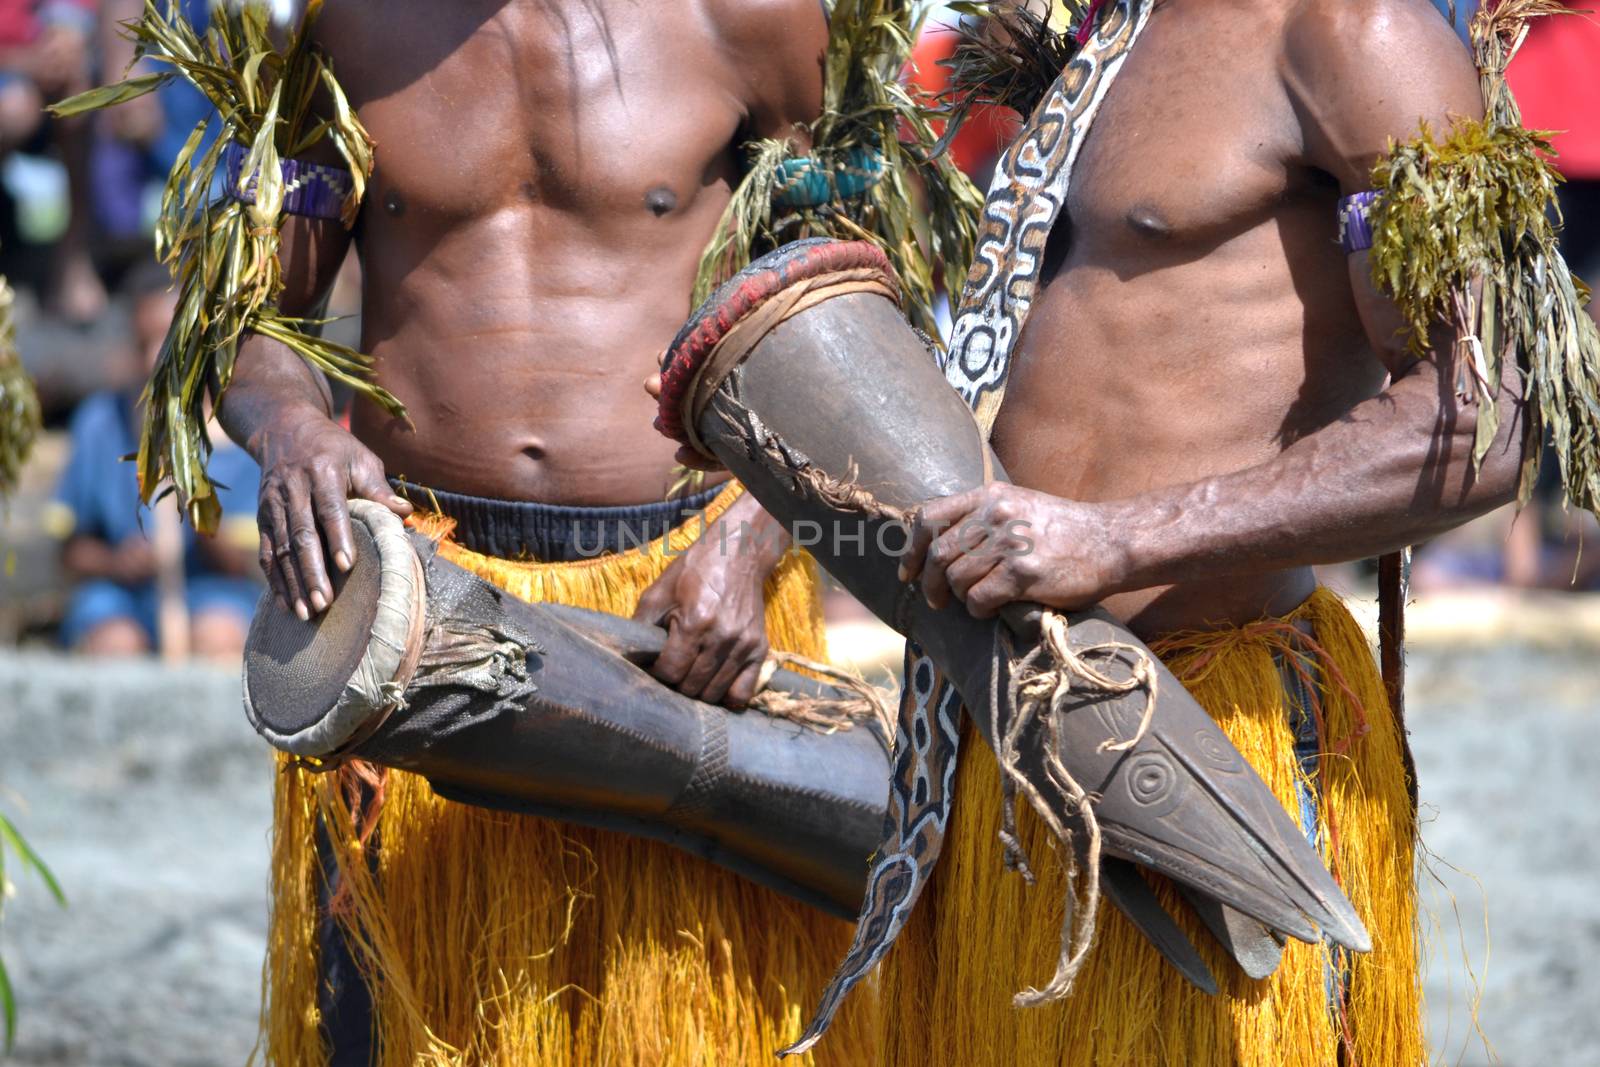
<point x="1462" y="235"/>
<point x="873" y="139"/>
<point x="19" y="404"/>
<point x="277" y="100"/>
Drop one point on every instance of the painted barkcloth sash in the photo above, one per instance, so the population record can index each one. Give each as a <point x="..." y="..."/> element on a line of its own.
<point x="1029" y="187"/>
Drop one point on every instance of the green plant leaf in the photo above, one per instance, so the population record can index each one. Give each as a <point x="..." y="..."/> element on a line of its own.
<point x="109" y="95"/>
<point x="8" y="1008"/>
<point x="30" y="859"/>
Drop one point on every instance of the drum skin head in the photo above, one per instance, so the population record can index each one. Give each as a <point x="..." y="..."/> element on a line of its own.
<point x="736" y="298"/>
<point x="302" y="680"/>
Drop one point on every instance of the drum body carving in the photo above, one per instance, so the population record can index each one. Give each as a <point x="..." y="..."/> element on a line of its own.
<point x="838" y="385"/>
<point x="421" y="666"/>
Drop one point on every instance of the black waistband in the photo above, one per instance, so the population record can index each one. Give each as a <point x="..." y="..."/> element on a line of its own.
<point x="553" y="533"/>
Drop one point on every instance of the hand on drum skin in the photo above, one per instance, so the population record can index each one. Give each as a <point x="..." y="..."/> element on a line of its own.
<point x="310" y="465"/>
<point x="686" y="455"/>
<point x="1003" y="543"/>
<point x="713" y="605"/>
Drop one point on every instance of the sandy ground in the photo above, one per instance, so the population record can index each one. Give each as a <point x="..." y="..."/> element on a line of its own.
<point x="147" y="792"/>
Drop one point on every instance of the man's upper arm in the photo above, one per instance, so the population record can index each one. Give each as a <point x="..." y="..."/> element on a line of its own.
<point x="311" y="251"/>
<point x="1363" y="74"/>
<point x="778" y="47"/>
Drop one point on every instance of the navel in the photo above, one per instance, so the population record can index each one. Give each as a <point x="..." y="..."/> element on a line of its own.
<point x="394" y="204"/>
<point x="1148" y="222"/>
<point x="661" y="201"/>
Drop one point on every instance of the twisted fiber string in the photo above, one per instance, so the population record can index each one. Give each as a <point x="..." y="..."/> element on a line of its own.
<point x="1040" y="683"/>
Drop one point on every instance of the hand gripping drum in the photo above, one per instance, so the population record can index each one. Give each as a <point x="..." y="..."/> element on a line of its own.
<point x="421" y="666"/>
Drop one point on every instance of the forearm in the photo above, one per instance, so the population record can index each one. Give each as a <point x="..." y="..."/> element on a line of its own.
<point x="270" y="384"/>
<point x="748" y="531"/>
<point x="1394" y="471"/>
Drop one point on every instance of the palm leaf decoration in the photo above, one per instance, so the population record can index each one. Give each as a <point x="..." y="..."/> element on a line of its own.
<point x="277" y="101"/>
<point x="1463" y="235"/>
<point x="19" y="404"/>
<point x="873" y="140"/>
<point x="12" y="840"/>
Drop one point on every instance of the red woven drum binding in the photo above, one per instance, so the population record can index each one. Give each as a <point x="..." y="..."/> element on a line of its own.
<point x="736" y="300"/>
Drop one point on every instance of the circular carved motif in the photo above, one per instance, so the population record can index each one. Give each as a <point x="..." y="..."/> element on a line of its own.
<point x="1154" y="781"/>
<point x="1216" y="752"/>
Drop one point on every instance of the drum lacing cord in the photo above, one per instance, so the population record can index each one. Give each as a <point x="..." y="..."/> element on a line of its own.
<point x="827" y="716"/>
<point x="1039" y="684"/>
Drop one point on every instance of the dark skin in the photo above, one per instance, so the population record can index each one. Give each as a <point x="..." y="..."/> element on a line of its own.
<point x="548" y="172"/>
<point x="1209" y="396"/>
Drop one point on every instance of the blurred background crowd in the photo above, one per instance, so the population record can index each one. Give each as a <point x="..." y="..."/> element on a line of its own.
<point x="89" y="569"/>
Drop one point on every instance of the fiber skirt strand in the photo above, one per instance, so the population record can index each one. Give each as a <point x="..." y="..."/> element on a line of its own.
<point x="980" y="935"/>
<point x="517" y="941"/>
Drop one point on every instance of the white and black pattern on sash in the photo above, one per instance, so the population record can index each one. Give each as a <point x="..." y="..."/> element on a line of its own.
<point x="1025" y="199"/>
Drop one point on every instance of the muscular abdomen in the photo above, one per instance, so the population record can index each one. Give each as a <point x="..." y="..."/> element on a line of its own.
<point x="1137" y="372"/>
<point x="547" y="177"/>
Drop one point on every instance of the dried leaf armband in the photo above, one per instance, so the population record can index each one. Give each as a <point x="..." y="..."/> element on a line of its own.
<point x="1464" y="234"/>
<point x="275" y="101"/>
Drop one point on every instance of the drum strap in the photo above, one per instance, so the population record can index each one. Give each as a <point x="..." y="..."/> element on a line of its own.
<point x="1024" y="200"/>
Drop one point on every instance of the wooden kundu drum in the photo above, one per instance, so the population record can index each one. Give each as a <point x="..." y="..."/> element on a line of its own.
<point x="801" y="371"/>
<point x="421" y="666"/>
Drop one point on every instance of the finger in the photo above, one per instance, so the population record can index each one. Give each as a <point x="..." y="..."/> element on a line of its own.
<point x="945" y="552"/>
<point x="738" y="661"/>
<point x="677" y="655"/>
<point x="287" y="580"/>
<point x="992" y="592"/>
<point x="706" y="664"/>
<point x="367" y="481"/>
<point x="652" y="385"/>
<point x="949" y="511"/>
<point x="929" y="522"/>
<point x="333" y="513"/>
<point x="307" y="544"/>
<point x="968" y="571"/>
<point x="743" y="689"/>
<point x="269" y="570"/>
<point x="655" y="606"/>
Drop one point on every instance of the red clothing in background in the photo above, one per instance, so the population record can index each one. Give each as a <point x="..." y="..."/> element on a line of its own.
<point x="20" y="19"/>
<point x="1556" y="79"/>
<point x="987" y="129"/>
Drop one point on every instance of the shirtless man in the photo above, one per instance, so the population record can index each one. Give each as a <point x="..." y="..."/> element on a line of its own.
<point x="1208" y="398"/>
<point x="548" y="173"/>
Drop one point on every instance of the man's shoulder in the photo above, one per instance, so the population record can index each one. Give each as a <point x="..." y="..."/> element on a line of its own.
<point x="765" y="21"/>
<point x="778" y="47"/>
<point x="1368" y="71"/>
<point x="766" y="32"/>
<point x="1377" y="24"/>
<point x="1365" y="44"/>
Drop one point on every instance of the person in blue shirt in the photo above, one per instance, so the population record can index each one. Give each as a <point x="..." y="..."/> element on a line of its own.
<point x="104" y="528"/>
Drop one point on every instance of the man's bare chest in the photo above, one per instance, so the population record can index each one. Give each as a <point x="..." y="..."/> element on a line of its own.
<point x="477" y="105"/>
<point x="1193" y="143"/>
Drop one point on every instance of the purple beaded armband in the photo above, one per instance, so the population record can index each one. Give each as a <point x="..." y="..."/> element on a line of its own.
<point x="1355" y="229"/>
<point x="310" y="189"/>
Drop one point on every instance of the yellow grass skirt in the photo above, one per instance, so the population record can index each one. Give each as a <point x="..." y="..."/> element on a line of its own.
<point x="979" y="935"/>
<point x="517" y="941"/>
